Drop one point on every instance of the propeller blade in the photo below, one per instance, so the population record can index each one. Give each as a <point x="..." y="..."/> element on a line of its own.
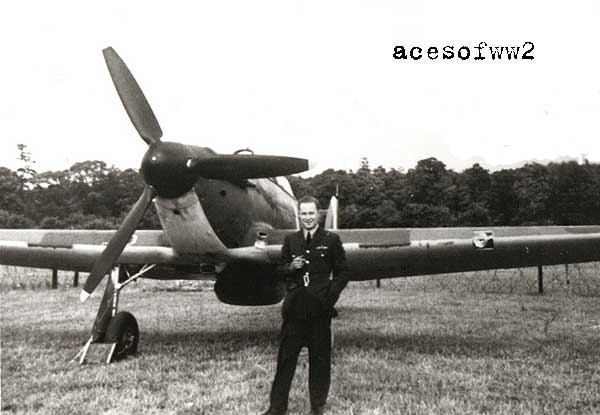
<point x="117" y="243"/>
<point x="133" y="98"/>
<point x="247" y="166"/>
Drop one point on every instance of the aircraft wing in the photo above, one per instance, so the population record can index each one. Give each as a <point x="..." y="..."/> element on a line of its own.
<point x="446" y="250"/>
<point x="389" y="253"/>
<point x="78" y="249"/>
<point x="371" y="253"/>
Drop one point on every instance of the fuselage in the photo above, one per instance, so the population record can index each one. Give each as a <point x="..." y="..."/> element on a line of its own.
<point x="233" y="211"/>
<point x="238" y="211"/>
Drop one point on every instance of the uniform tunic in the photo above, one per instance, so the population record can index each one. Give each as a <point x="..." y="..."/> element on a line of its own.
<point x="307" y="310"/>
<point x="327" y="274"/>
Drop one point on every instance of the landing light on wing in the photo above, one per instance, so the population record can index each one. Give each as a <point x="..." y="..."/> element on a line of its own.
<point x="483" y="239"/>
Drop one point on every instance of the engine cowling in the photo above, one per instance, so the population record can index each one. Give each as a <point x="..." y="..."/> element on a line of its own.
<point x="250" y="285"/>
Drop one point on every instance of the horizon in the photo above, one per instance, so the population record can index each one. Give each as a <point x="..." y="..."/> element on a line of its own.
<point x="314" y="172"/>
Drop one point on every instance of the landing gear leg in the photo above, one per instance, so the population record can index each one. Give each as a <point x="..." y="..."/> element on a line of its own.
<point x="115" y="335"/>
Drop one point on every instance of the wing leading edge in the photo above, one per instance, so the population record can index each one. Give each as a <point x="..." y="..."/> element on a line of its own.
<point x="390" y="253"/>
<point x="460" y="255"/>
<point x="371" y="253"/>
<point x="79" y="249"/>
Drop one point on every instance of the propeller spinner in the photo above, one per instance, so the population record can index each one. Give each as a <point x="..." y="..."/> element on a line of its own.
<point x="171" y="169"/>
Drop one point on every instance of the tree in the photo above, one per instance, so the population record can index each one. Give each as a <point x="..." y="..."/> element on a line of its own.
<point x="52" y="196"/>
<point x="26" y="172"/>
<point x="474" y="184"/>
<point x="429" y="183"/>
<point x="476" y="214"/>
<point x="532" y="189"/>
<point x="10" y="190"/>
<point x="573" y="197"/>
<point x="471" y="197"/>
<point x="10" y="220"/>
<point x="395" y="188"/>
<point x="421" y="215"/>
<point x="88" y="172"/>
<point x="364" y="167"/>
<point x="91" y="195"/>
<point x="502" y="199"/>
<point x="300" y="187"/>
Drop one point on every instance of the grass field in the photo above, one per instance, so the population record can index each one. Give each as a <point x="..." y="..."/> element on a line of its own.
<point x="469" y="344"/>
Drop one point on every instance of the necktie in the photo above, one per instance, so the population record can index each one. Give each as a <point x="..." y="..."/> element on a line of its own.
<point x="308" y="238"/>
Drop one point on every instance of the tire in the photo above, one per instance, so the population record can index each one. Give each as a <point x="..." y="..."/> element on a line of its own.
<point x="123" y="330"/>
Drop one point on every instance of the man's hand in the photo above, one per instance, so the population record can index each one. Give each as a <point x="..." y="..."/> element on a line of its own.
<point x="297" y="263"/>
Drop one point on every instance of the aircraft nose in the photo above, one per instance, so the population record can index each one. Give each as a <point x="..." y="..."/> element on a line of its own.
<point x="166" y="167"/>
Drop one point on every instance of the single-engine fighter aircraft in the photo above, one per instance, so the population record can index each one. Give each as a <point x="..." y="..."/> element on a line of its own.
<point x="224" y="217"/>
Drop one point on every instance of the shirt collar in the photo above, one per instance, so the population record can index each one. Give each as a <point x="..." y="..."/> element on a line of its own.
<point x="312" y="232"/>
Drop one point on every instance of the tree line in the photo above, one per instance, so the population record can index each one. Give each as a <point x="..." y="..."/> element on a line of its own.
<point x="430" y="195"/>
<point x="92" y="195"/>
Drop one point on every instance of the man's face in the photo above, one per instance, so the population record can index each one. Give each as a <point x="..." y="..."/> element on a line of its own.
<point x="309" y="215"/>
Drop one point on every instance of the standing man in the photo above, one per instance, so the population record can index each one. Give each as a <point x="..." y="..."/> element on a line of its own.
<point x="313" y="263"/>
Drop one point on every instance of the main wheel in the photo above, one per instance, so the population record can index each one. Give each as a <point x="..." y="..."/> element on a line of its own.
<point x="123" y="330"/>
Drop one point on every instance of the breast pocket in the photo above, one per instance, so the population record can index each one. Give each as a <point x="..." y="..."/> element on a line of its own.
<point x="322" y="251"/>
<point x="322" y="259"/>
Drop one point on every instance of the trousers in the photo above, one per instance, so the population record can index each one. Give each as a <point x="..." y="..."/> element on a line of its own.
<point x="315" y="334"/>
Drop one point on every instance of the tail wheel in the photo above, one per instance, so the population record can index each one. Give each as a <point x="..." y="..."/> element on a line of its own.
<point x="123" y="330"/>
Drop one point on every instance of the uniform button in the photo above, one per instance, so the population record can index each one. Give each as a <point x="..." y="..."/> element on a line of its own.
<point x="307" y="261"/>
<point x="308" y="251"/>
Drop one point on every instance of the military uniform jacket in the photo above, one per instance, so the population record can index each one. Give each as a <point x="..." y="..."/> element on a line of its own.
<point x="327" y="274"/>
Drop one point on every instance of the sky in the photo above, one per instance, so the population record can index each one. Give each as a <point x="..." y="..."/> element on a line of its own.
<point x="313" y="79"/>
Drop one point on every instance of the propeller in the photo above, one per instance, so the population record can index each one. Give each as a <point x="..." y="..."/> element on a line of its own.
<point x="117" y="243"/>
<point x="172" y="169"/>
<point x="133" y="98"/>
<point x="232" y="166"/>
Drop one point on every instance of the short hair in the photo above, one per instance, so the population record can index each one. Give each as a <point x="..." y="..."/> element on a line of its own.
<point x="308" y="199"/>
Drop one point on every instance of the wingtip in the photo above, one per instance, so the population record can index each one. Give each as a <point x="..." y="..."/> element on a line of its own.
<point x="83" y="296"/>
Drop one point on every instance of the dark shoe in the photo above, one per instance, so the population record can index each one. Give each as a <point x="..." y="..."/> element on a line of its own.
<point x="274" y="412"/>
<point x="318" y="411"/>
